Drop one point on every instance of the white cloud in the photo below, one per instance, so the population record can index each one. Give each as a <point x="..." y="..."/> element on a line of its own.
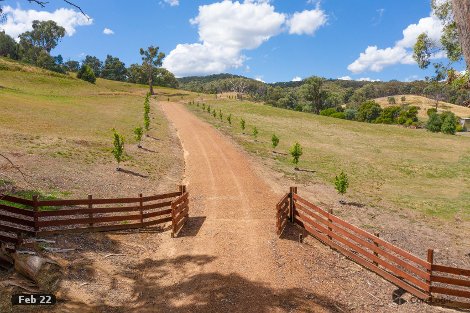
<point x="345" y="78"/>
<point x="375" y="59"/>
<point x="297" y="79"/>
<point x="307" y="22"/>
<point x="368" y="79"/>
<point x="260" y="79"/>
<point x="19" y="21"/>
<point x="172" y="2"/>
<point x="108" y="31"/>
<point x="226" y="29"/>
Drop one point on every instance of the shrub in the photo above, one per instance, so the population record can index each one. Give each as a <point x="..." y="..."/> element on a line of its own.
<point x="255" y="132"/>
<point x="118" y="149"/>
<point x="389" y="115"/>
<point x="340" y="115"/>
<point x="214" y="114"/>
<point x="350" y="114"/>
<point x="391" y="100"/>
<point x="296" y="152"/>
<point x="431" y="111"/>
<point x="369" y="111"/>
<point x="460" y="128"/>
<point x="203" y="106"/>
<point x="138" y="133"/>
<point x="275" y="141"/>
<point x="147" y="112"/>
<point x="434" y="123"/>
<point x="403" y="99"/>
<point x="408" y="113"/>
<point x="208" y="109"/>
<point x="221" y="115"/>
<point x="449" y="123"/>
<point x="242" y="124"/>
<point x="341" y="183"/>
<point x="86" y="73"/>
<point x="229" y="119"/>
<point x="328" y="112"/>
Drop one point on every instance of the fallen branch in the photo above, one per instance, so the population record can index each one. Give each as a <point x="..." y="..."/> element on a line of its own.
<point x="58" y="250"/>
<point x="109" y="255"/>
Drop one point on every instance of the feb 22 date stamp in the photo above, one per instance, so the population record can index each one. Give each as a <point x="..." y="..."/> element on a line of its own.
<point x="33" y="299"/>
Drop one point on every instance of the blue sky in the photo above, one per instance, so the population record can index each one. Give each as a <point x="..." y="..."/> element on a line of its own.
<point x="269" y="40"/>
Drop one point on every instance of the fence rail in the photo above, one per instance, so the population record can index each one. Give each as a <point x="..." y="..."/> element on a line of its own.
<point x="21" y="217"/>
<point x="417" y="276"/>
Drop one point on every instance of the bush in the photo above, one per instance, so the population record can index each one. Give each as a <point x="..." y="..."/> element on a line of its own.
<point x="275" y="141"/>
<point x="408" y="113"/>
<point x="86" y="73"/>
<point x="434" y="123"/>
<point x="255" y="132"/>
<point x="369" y="111"/>
<point x="431" y="111"/>
<point x="391" y="100"/>
<point x="328" y="112"/>
<point x="389" y="115"/>
<point x="221" y="115"/>
<point x="214" y="114"/>
<point x="350" y="114"/>
<point x="341" y="183"/>
<point x="460" y="128"/>
<point x="449" y="123"/>
<point x="340" y="115"/>
<point x="242" y="124"/>
<point x="403" y="99"/>
<point x="296" y="152"/>
<point x="229" y="119"/>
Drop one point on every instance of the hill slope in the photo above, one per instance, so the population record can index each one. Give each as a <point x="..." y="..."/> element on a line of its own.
<point x="58" y="130"/>
<point x="389" y="166"/>
<point x="425" y="103"/>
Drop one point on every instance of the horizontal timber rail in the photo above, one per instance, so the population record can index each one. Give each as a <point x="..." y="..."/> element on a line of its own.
<point x="179" y="212"/>
<point x="20" y="218"/>
<point x="422" y="278"/>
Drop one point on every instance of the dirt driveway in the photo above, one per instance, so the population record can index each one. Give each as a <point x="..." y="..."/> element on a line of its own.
<point x="231" y="260"/>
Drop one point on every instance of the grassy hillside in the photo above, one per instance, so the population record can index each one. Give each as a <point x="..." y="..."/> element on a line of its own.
<point x="389" y="166"/>
<point x="425" y="103"/>
<point x="57" y="121"/>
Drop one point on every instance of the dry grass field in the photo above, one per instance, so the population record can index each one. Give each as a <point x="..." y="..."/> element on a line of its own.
<point x="58" y="129"/>
<point x="389" y="166"/>
<point x="424" y="104"/>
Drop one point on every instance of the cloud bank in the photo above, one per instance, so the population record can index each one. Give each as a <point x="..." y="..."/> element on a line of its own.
<point x="227" y="28"/>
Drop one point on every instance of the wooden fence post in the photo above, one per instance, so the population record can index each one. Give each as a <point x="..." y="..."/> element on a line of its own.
<point x="330" y="211"/>
<point x="431" y="261"/>
<point x="141" y="204"/>
<point x="293" y="190"/>
<point x="90" y="206"/>
<point x="377" y="245"/>
<point x="173" y="224"/>
<point x="36" y="214"/>
<point x="182" y="189"/>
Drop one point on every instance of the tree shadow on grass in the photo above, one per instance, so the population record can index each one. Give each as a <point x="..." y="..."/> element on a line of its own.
<point x="133" y="173"/>
<point x="170" y="285"/>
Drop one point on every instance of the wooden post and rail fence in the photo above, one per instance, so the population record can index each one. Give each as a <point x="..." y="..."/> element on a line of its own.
<point x="20" y="218"/>
<point x="421" y="278"/>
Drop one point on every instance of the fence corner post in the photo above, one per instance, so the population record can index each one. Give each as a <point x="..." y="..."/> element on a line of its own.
<point x="293" y="190"/>
<point x="141" y="206"/>
<point x="429" y="282"/>
<point x="36" y="215"/>
<point x="182" y="189"/>
<point x="90" y="206"/>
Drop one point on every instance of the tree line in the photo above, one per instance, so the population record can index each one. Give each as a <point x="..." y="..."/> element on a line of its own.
<point x="35" y="47"/>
